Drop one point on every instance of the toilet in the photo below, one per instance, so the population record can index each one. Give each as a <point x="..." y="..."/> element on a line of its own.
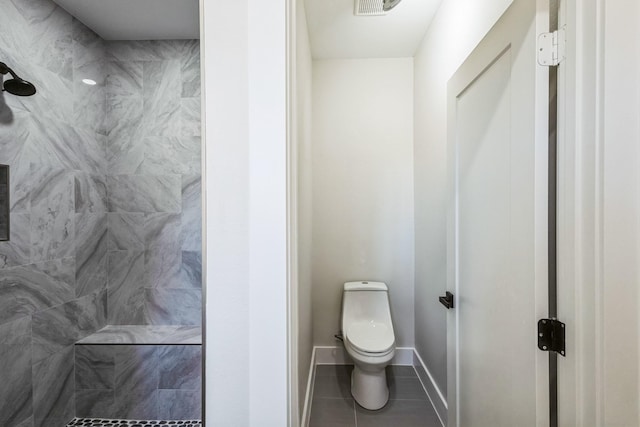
<point x="368" y="336"/>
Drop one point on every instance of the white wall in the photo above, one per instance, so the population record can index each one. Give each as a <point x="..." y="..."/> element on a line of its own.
<point x="457" y="28"/>
<point x="362" y="187"/>
<point x="303" y="146"/>
<point x="245" y="96"/>
<point x="620" y="287"/>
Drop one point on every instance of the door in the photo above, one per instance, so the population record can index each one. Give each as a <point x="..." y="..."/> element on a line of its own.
<point x="497" y="230"/>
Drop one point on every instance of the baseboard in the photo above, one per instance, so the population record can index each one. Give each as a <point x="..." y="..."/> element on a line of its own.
<point x="338" y="356"/>
<point x="308" y="396"/>
<point x="438" y="401"/>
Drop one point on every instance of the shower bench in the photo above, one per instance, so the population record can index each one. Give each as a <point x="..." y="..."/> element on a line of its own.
<point x="140" y="372"/>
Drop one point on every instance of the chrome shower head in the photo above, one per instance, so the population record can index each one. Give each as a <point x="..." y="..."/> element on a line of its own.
<point x="16" y="85"/>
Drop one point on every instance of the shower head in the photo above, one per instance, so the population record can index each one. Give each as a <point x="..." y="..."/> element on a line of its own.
<point x="16" y="85"/>
<point x="390" y="4"/>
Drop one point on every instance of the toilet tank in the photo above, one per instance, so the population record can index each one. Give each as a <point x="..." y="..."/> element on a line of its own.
<point x="368" y="301"/>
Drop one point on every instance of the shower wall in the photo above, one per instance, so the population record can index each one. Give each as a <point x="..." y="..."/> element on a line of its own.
<point x="105" y="199"/>
<point x="53" y="271"/>
<point x="153" y="183"/>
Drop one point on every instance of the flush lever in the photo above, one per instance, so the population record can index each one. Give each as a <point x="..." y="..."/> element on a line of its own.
<point x="447" y="300"/>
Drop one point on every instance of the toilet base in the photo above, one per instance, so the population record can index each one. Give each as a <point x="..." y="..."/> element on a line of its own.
<point x="369" y="387"/>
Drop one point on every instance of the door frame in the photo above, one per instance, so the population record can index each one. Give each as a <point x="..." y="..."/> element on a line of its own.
<point x="541" y="227"/>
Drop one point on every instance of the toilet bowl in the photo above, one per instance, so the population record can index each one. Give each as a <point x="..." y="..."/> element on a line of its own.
<point x="368" y="336"/>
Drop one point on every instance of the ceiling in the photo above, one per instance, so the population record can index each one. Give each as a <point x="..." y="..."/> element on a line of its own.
<point x="335" y="32"/>
<point x="138" y="19"/>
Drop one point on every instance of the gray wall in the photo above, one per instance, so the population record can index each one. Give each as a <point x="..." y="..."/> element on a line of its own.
<point x="153" y="183"/>
<point x="53" y="272"/>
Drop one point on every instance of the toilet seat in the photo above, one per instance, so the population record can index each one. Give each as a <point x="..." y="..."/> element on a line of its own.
<point x="370" y="338"/>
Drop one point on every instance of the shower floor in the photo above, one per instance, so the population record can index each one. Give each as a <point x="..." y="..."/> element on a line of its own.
<point x="102" y="422"/>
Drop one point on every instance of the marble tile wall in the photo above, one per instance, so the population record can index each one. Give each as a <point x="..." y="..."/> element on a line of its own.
<point x="53" y="272"/>
<point x="153" y="182"/>
<point x="105" y="199"/>
<point x="164" y="379"/>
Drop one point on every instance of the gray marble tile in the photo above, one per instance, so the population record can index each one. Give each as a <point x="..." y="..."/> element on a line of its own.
<point x="126" y="288"/>
<point x="26" y="423"/>
<point x="90" y="193"/>
<point x="53" y="389"/>
<point x="126" y="231"/>
<point x="16" y="151"/>
<point x="125" y="147"/>
<point x="95" y="404"/>
<point x="145" y="334"/>
<point x="50" y="32"/>
<point x="124" y="79"/>
<point x="52" y="211"/>
<point x="145" y="50"/>
<point x="405" y="413"/>
<point x="15" y="371"/>
<point x="17" y="251"/>
<point x="180" y="367"/>
<point x="191" y="271"/>
<point x="332" y="413"/>
<point x="179" y="404"/>
<point x="190" y="116"/>
<point x="31" y="288"/>
<point x="58" y="327"/>
<point x="95" y="367"/>
<point x="173" y="306"/>
<point x="190" y="68"/>
<point x="136" y="382"/>
<point x="171" y="155"/>
<point x="91" y="253"/>
<point x="191" y="213"/>
<point x="163" y="267"/>
<point x="135" y="193"/>
<point x="161" y="230"/>
<point x="161" y="93"/>
<point x="89" y="104"/>
<point x="67" y="147"/>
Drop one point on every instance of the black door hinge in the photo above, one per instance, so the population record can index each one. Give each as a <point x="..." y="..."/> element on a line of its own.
<point x="551" y="336"/>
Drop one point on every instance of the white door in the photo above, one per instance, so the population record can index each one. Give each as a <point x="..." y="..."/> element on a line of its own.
<point x="497" y="230"/>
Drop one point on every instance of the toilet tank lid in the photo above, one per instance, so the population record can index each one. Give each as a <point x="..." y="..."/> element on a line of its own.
<point x="365" y="286"/>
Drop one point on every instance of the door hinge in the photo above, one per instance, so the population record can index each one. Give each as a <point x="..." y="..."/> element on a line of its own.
<point x="551" y="335"/>
<point x="551" y="48"/>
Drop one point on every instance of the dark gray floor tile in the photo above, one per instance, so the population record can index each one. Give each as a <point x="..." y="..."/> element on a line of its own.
<point x="406" y="388"/>
<point x="338" y="387"/>
<point x="333" y="370"/>
<point x="405" y="413"/>
<point x="332" y="413"/>
<point x="401" y="371"/>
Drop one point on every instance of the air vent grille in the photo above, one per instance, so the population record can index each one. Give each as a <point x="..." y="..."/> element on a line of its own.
<point x="369" y="7"/>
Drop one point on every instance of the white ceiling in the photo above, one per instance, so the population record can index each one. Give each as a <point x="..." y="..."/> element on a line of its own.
<point x="138" y="19"/>
<point x="335" y="32"/>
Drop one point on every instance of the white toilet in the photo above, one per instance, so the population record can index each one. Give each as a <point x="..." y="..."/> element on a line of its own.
<point x="369" y="339"/>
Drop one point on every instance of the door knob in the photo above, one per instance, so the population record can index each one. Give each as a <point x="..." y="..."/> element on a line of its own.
<point x="447" y="300"/>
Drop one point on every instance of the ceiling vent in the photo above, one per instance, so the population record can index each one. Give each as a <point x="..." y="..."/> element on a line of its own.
<point x="369" y="8"/>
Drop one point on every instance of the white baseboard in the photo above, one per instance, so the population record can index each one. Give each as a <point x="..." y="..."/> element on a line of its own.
<point x="405" y="356"/>
<point x="438" y="400"/>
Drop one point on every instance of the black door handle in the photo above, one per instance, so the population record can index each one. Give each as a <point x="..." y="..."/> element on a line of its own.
<point x="447" y="300"/>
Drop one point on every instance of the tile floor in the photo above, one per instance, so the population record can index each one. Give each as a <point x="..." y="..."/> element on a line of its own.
<point x="333" y="406"/>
